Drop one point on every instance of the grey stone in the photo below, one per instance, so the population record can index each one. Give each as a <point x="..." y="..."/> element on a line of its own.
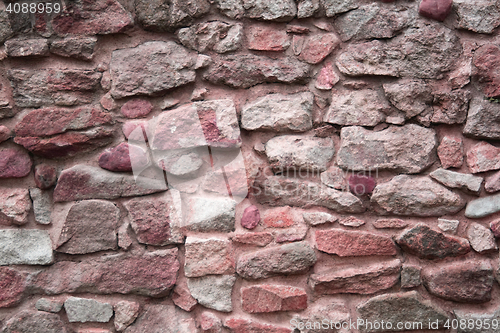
<point x="231" y="8"/>
<point x="293" y="258"/>
<point x="5" y="28"/>
<point x="334" y="7"/>
<point x="42" y="205"/>
<point x="400" y="307"/>
<point x="211" y="214"/>
<point x="217" y="36"/>
<point x="483" y="206"/>
<point x="317" y="218"/>
<point x="458" y="180"/>
<point x="359" y="107"/>
<point x="47" y="305"/>
<point x="481" y="16"/>
<point x="25" y="247"/>
<point x="407" y="149"/>
<point x="296" y="154"/>
<point x="74" y="47"/>
<point x="484" y="321"/>
<point x="412" y="96"/>
<point x="450" y="107"/>
<point x="307" y="8"/>
<point x="410" y="276"/>
<point x="164" y="319"/>
<point x="81" y="310"/>
<point x="150" y="68"/>
<point x="334" y="177"/>
<point x="278" y="10"/>
<point x="481" y="238"/>
<point x="419" y="196"/>
<point x="213" y="292"/>
<point x="278" y="112"/>
<point x="38" y="47"/>
<point x="322" y="309"/>
<point x="483" y="119"/>
<point x="34" y="321"/>
<point x="448" y="226"/>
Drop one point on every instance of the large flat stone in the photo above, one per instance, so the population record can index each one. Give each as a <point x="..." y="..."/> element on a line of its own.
<point x="466" y="182"/>
<point x="483" y="207"/>
<point x="27" y="321"/>
<point x="25" y="247"/>
<point x="82" y="310"/>
<point x="346" y="243"/>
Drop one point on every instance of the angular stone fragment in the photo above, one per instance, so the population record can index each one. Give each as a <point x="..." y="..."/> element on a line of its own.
<point x="492" y="184"/>
<point x="435" y="9"/>
<point x="81" y="48"/>
<point x="481" y="238"/>
<point x="13" y="285"/>
<point x="307" y="8"/>
<point x="34" y="321"/>
<point x="14" y="163"/>
<point x="450" y="107"/>
<point x="254" y="238"/>
<point x="150" y="68"/>
<point x="390" y="224"/>
<point x="293" y="258"/>
<point x="85" y="182"/>
<point x="363" y="280"/>
<point x="361" y="185"/>
<point x="410" y="276"/>
<point x="327" y="78"/>
<point x="25" y="247"/>
<point x="483" y="157"/>
<point x="42" y="205"/>
<point x="448" y="226"/>
<point x="451" y="152"/>
<point x="358" y="107"/>
<point x="352" y="222"/>
<point x="408" y="149"/>
<point x="35" y="88"/>
<point x="15" y="206"/>
<point x="295" y="153"/>
<point x="483" y="119"/>
<point x="282" y="191"/>
<point x="427" y="243"/>
<point x="400" y="308"/>
<point x="334" y="177"/>
<point x="163" y="317"/>
<point x="279" y="113"/>
<point x="211" y="214"/>
<point x="345" y="243"/>
<point x="240" y="325"/>
<point x="318" y="218"/>
<point x="485" y="61"/>
<point x="272" y="298"/>
<point x="420" y="196"/>
<point x="279" y="10"/>
<point x="125" y="314"/>
<point x="27" y="48"/>
<point x="90" y="226"/>
<point x="315" y="49"/>
<point x="136" y="108"/>
<point x="483" y="206"/>
<point x="48" y="305"/>
<point x="208" y="256"/>
<point x="213" y="292"/>
<point x="120" y="158"/>
<point x="245" y="71"/>
<point x="210" y="323"/>
<point x="81" y="310"/>
<point x="468" y="282"/>
<point x="182" y="297"/>
<point x="267" y="38"/>
<point x="371" y="21"/>
<point x="411" y="96"/>
<point x="334" y="7"/>
<point x="151" y="274"/>
<point x="217" y="36"/>
<point x="466" y="182"/>
<point x="482" y="16"/>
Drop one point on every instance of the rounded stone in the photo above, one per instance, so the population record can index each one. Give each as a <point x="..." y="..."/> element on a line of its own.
<point x="251" y="217"/>
<point x="136" y="108"/>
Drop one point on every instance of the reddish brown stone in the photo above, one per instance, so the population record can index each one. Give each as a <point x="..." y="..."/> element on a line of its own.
<point x="257" y="238"/>
<point x="45" y="176"/>
<point x="435" y="9"/>
<point x="354" y="243"/>
<point x="251" y="217"/>
<point x="14" y="163"/>
<point x="183" y="299"/>
<point x="239" y="325"/>
<point x="272" y="298"/>
<point x="483" y="157"/>
<point x="315" y="48"/>
<point x="267" y="38"/>
<point x="467" y="282"/>
<point x="327" y="78"/>
<point x="136" y="108"/>
<point x="120" y="158"/>
<point x="427" y="243"/>
<point x="12" y="285"/>
<point x="390" y="224"/>
<point x="280" y="217"/>
<point x="451" y="152"/>
<point x="486" y="60"/>
<point x="361" y="185"/>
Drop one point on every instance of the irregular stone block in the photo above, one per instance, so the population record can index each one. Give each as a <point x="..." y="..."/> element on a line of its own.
<point x="125" y="314"/>
<point x="267" y="38"/>
<point x="13" y="286"/>
<point x="390" y="224"/>
<point x="208" y="256"/>
<point x="483" y="318"/>
<point x="254" y="238"/>
<point x="483" y="157"/>
<point x="410" y="276"/>
<point x="217" y="36"/>
<point x="15" y="206"/>
<point x="210" y="214"/>
<point x="331" y="311"/>
<point x="272" y="298"/>
<point x="314" y="49"/>
<point x="345" y="243"/>
<point x="481" y="16"/>
<point x="14" y="163"/>
<point x="166" y="318"/>
<point x="412" y="96"/>
<point x="435" y="9"/>
<point x="250" y="218"/>
<point x="458" y="180"/>
<point x="482" y="119"/>
<point x="120" y="158"/>
<point x="25" y="247"/>
<point x="182" y="298"/>
<point x="448" y="226"/>
<point x="81" y="48"/>
<point x="27" y="48"/>
<point x="318" y="218"/>
<point x="34" y="321"/>
<point x="485" y="60"/>
<point x="81" y="310"/>
<point x="213" y="292"/>
<point x="334" y="7"/>
<point x="42" y="205"/>
<point x="481" y="238"/>
<point x="48" y="305"/>
<point x="451" y="152"/>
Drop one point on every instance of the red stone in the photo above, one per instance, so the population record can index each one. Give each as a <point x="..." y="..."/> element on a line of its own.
<point x="5" y="133"/>
<point x="14" y="163"/>
<point x="210" y="323"/>
<point x="267" y="38"/>
<point x="315" y="48"/>
<point x="361" y="185"/>
<point x="257" y="238"/>
<point x="495" y="227"/>
<point x="492" y="183"/>
<point x="486" y="60"/>
<point x="273" y="298"/>
<point x="121" y="157"/>
<point x="451" y="152"/>
<point x="327" y="78"/>
<point x="435" y="9"/>
<point x="136" y="108"/>
<point x="12" y="285"/>
<point x="483" y="157"/>
<point x="251" y="217"/>
<point x="45" y="176"/>
<point x="239" y="325"/>
<point x="280" y="217"/>
<point x="354" y="243"/>
<point x="183" y="299"/>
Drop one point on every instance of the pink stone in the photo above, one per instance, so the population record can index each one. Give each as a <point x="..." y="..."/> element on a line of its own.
<point x="136" y="108"/>
<point x="435" y="9"/>
<point x="210" y="323"/>
<point x="486" y="60"/>
<point x="346" y="243"/>
<point x="495" y="227"/>
<point x="12" y="285"/>
<point x="15" y="206"/>
<point x="5" y="133"/>
<point x="211" y="256"/>
<point x="240" y="325"/>
<point x="263" y="37"/>
<point x="483" y="157"/>
<point x="390" y="224"/>
<point x="492" y="183"/>
<point x="315" y="48"/>
<point x="361" y="185"/>
<point x="183" y="299"/>
<point x="327" y="78"/>
<point x="121" y="157"/>
<point x="255" y="238"/>
<point x="280" y="217"/>
<point x="273" y="298"/>
<point x="251" y="217"/>
<point x="297" y="233"/>
<point x="451" y="152"/>
<point x="130" y="133"/>
<point x="351" y="221"/>
<point x="45" y="176"/>
<point x="14" y="163"/>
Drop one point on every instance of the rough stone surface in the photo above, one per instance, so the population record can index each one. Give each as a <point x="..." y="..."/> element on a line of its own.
<point x="42" y="205"/>
<point x="334" y="177"/>
<point x="245" y="71"/>
<point x="435" y="9"/>
<point x="5" y="133"/>
<point x="250" y="218"/>
<point x="218" y="36"/>
<point x="482" y="119"/>
<point x="213" y="292"/>
<point x="451" y="152"/>
<point x="345" y="243"/>
<point x="408" y="149"/>
<point x="272" y="298"/>
<point x="211" y="214"/>
<point x="401" y="307"/>
<point x="48" y="305"/>
<point x="45" y="176"/>
<point x="361" y="185"/>
<point x="90" y="226"/>
<point x="125" y="314"/>
<point x="334" y="7"/>
<point x="410" y="276"/>
<point x="495" y="227"/>
<point x="481" y="238"/>
<point x="363" y="280"/>
<point x="267" y="38"/>
<point x="418" y="196"/>
<point x="208" y="256"/>
<point x="152" y="274"/>
<point x="182" y="298"/>
<point x="316" y="48"/>
<point x="427" y="243"/>
<point x="458" y="180"/>
<point x="468" y="282"/>
<point x="352" y="222"/>
<point x="15" y="205"/>
<point x="483" y="157"/>
<point x="25" y="247"/>
<point x="136" y="108"/>
<point x="210" y="323"/>
<point x="477" y="317"/>
<point x="483" y="207"/>
<point x="34" y="321"/>
<point x="318" y="218"/>
<point x="170" y="64"/>
<point x="412" y="96"/>
<point x="279" y="112"/>
<point x="14" y="163"/>
<point x="481" y="16"/>
<point x="27" y="48"/>
<point x="121" y="158"/>
<point x="485" y="60"/>
<point x="81" y="310"/>
<point x="294" y="258"/>
<point x="13" y="284"/>
<point x="163" y="317"/>
<point x="254" y="238"/>
<point x="390" y="224"/>
<point x="449" y="226"/>
<point x="81" y="48"/>
<point x="327" y="78"/>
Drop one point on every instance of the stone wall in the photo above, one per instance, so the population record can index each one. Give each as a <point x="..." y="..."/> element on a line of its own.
<point x="250" y="166"/>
